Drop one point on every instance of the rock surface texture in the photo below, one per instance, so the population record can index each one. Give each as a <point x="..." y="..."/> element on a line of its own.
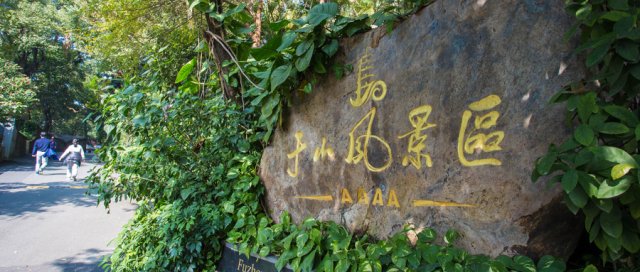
<point x="438" y="125"/>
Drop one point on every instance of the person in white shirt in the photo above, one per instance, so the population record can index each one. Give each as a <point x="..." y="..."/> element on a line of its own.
<point x="76" y="155"/>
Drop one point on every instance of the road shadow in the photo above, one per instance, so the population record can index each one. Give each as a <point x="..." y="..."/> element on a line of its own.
<point x="18" y="202"/>
<point x="13" y="166"/>
<point x="86" y="261"/>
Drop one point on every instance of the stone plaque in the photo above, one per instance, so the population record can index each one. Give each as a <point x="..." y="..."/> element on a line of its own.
<point x="438" y="125"/>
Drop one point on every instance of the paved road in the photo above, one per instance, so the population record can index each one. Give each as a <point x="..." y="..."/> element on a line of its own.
<point x="50" y="224"/>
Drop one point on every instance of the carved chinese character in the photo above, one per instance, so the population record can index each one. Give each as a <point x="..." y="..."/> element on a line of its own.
<point x="359" y="145"/>
<point x="367" y="87"/>
<point x="418" y="118"/>
<point x="300" y="146"/>
<point x="324" y="151"/>
<point x="474" y="141"/>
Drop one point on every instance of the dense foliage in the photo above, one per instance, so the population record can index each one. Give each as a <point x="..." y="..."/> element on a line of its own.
<point x="15" y="93"/>
<point x="598" y="166"/>
<point x="36" y="35"/>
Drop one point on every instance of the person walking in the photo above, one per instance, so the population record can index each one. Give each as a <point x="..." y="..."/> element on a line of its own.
<point x="40" y="147"/>
<point x="76" y="155"/>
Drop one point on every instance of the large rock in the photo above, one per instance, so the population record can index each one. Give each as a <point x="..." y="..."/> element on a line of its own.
<point x="438" y="125"/>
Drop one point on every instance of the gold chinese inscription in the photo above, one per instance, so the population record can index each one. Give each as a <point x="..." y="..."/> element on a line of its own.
<point x="359" y="144"/>
<point x="367" y="87"/>
<point x="300" y="146"/>
<point x="474" y="141"/>
<point x="418" y="118"/>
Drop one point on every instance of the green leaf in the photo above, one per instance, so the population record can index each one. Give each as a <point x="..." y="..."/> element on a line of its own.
<point x="331" y="48"/>
<point x="303" y="47"/>
<point x="264" y="251"/>
<point x="623" y="114"/>
<point x="597" y="54"/>
<point x="613" y="128"/>
<point x="287" y="40"/>
<point x="570" y="180"/>
<point x="613" y="154"/>
<point x="307" y="262"/>
<point x="451" y="236"/>
<point x="628" y="50"/>
<point x="544" y="164"/>
<point x="618" y="4"/>
<point x="185" y="71"/>
<point x="578" y="198"/>
<point x="185" y="193"/>
<point x="280" y="75"/>
<point x="611" y="223"/>
<point x="302" y="63"/>
<point x="614" y="15"/>
<point x="609" y="189"/>
<point x="630" y="241"/>
<point x="550" y="264"/>
<point x="342" y="266"/>
<point x="635" y="71"/>
<point x="584" y="135"/>
<point x="277" y="26"/>
<point x="321" y="12"/>
<point x="523" y="263"/>
<point x="590" y="268"/>
<point x="620" y="170"/>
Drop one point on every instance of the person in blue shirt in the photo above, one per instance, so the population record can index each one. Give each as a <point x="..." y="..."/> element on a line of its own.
<point x="40" y="147"/>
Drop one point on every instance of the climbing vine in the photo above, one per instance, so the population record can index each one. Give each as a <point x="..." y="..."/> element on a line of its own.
<point x="598" y="165"/>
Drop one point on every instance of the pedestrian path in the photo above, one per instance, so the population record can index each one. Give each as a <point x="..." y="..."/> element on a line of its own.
<point x="48" y="223"/>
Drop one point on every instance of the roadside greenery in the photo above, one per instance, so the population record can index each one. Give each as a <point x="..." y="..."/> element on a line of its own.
<point x="598" y="166"/>
<point x="186" y="148"/>
<point x="36" y="35"/>
<point x="15" y="93"/>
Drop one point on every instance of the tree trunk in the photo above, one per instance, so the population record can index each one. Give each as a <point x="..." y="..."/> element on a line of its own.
<point x="215" y="36"/>
<point x="257" y="19"/>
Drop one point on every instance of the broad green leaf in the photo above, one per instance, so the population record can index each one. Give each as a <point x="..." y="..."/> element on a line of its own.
<point x="523" y="263"/>
<point x="590" y="268"/>
<point x="280" y="75"/>
<point x="287" y="40"/>
<point x="342" y="266"/>
<point x="613" y="154"/>
<point x="586" y="105"/>
<point x="635" y="70"/>
<point x="331" y="48"/>
<point x="185" y="71"/>
<point x="578" y="198"/>
<point x="543" y="166"/>
<point x="637" y="133"/>
<point x="277" y="26"/>
<point x="321" y="12"/>
<point x="614" y="15"/>
<point x="451" y="236"/>
<point x="620" y="170"/>
<point x="550" y="264"/>
<point x="303" y="47"/>
<point x="613" y="128"/>
<point x="597" y="54"/>
<point x="584" y="135"/>
<point x="609" y="188"/>
<point x="264" y="251"/>
<point x="570" y="180"/>
<point x="618" y="4"/>
<point x="611" y="223"/>
<point x="623" y="114"/>
<point x="302" y="63"/>
<point x="630" y="241"/>
<point x="628" y="50"/>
